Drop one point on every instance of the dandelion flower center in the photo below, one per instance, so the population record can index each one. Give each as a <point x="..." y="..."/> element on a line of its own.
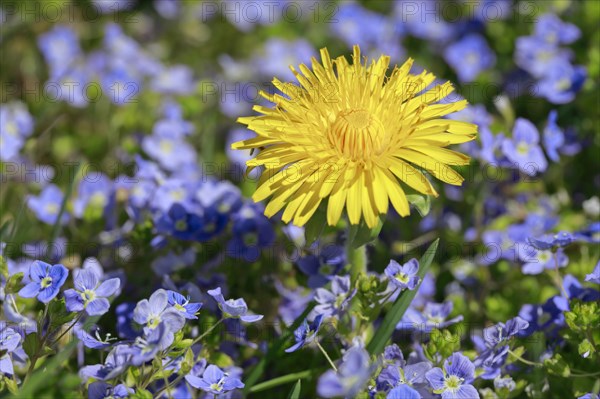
<point x="356" y="134"/>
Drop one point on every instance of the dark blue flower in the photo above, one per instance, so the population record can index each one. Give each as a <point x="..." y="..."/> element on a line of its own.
<point x="214" y="381"/>
<point x="183" y="305"/>
<point x="251" y="231"/>
<point x="549" y="241"/>
<point x="321" y="267"/>
<point x="179" y="223"/>
<point x="306" y="333"/>
<point x="403" y="276"/>
<point x="46" y="281"/>
<point x="454" y="380"/>
<point x="589" y="234"/>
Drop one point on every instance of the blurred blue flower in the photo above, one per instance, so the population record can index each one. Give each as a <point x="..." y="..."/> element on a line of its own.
<point x="46" y="281"/>
<point x="90" y="294"/>
<point x="549" y="241"/>
<point x="9" y="342"/>
<point x="523" y="148"/>
<point x="16" y="124"/>
<point x="47" y="205"/>
<point x="538" y="57"/>
<point x="214" y="381"/>
<point x="594" y="277"/>
<point x="547" y="317"/>
<point x="333" y="303"/>
<point x="60" y="48"/>
<point x="183" y="305"/>
<point x="235" y="308"/>
<point x="323" y="266"/>
<point x="553" y="31"/>
<point x="279" y="54"/>
<point x="536" y="261"/>
<point x="103" y="390"/>
<point x="434" y="315"/>
<point x="169" y="150"/>
<point x="469" y="57"/>
<point x="179" y="223"/>
<point x="177" y="80"/>
<point x="403" y="276"/>
<point x="454" y="380"/>
<point x="95" y="191"/>
<point x="306" y="333"/>
<point x="554" y="137"/>
<point x="352" y="374"/>
<point x="589" y="234"/>
<point x="173" y="262"/>
<point x="251" y="232"/>
<point x="562" y="82"/>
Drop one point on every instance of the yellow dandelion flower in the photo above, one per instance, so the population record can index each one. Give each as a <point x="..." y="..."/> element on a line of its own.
<point x="350" y="133"/>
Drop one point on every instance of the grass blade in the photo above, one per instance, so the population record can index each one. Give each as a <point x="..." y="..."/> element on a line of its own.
<point x="385" y="331"/>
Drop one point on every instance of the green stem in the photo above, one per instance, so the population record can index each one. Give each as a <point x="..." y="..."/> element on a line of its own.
<point x="205" y="333"/>
<point x="525" y="361"/>
<point x="357" y="257"/>
<point x="326" y="356"/>
<point x="281" y="380"/>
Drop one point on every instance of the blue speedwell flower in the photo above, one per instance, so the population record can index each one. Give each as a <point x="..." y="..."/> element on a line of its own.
<point x="47" y="205"/>
<point x="523" y="148"/>
<point x="403" y="276"/>
<point x="306" y="333"/>
<point x="333" y="303"/>
<point x="454" y="380"/>
<point x="403" y="392"/>
<point x="322" y="266"/>
<point x="214" y="381"/>
<point x="151" y="312"/>
<point x="183" y="305"/>
<point x="116" y="363"/>
<point x="90" y="294"/>
<point x="46" y="281"/>
<point x="234" y="308"/>
<point x="434" y="315"/>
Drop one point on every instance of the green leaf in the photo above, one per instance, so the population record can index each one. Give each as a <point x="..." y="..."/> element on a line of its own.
<point x="556" y="365"/>
<point x="284" y="379"/>
<point x="13" y="284"/>
<point x="3" y="267"/>
<point x="58" y="313"/>
<point x="295" y="392"/>
<point x="141" y="393"/>
<point x="314" y="227"/>
<point x="31" y="344"/>
<point x="422" y="203"/>
<point x="395" y="314"/>
<point x="361" y="234"/>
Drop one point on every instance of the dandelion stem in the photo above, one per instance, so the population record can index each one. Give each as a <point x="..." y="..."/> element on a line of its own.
<point x="357" y="257"/>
